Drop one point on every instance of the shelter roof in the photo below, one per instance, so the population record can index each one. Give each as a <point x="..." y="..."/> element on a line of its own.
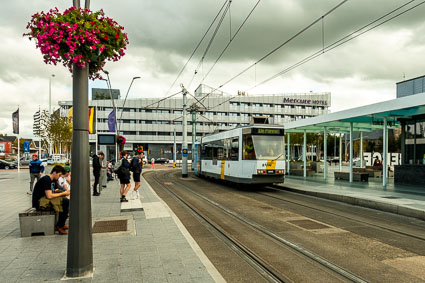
<point x="364" y="118"/>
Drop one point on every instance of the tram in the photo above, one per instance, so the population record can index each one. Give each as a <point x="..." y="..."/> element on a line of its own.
<point x="253" y="154"/>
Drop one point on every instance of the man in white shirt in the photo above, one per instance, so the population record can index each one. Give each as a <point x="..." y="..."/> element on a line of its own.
<point x="64" y="181"/>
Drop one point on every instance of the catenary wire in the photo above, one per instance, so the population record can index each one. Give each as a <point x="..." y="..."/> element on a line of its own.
<point x="343" y="40"/>
<point x="333" y="45"/>
<point x="278" y="47"/>
<point x="231" y="40"/>
<point x="210" y="43"/>
<point x="196" y="48"/>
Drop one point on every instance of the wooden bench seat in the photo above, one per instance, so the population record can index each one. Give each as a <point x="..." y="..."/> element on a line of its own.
<point x="357" y="176"/>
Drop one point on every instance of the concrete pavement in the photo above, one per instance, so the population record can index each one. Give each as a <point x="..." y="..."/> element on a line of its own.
<point x="156" y="247"/>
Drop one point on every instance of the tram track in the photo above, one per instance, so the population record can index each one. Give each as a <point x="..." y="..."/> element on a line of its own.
<point x="262" y="267"/>
<point x="248" y="253"/>
<point x="374" y="225"/>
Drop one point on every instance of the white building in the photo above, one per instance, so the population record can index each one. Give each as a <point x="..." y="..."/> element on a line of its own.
<point x="144" y="122"/>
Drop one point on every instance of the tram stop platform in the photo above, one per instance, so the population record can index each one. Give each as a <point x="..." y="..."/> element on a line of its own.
<point x="154" y="246"/>
<point x="398" y="199"/>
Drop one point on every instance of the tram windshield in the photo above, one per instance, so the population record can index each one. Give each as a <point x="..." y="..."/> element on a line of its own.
<point x="258" y="147"/>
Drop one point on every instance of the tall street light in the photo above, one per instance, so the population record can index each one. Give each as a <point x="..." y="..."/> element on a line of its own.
<point x="108" y="82"/>
<point x="122" y="110"/>
<point x="80" y="241"/>
<point x="50" y="106"/>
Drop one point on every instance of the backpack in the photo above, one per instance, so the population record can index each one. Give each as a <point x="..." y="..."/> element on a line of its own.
<point x="134" y="164"/>
<point x="117" y="166"/>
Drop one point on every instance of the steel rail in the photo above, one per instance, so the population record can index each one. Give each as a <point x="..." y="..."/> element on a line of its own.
<point x="335" y="214"/>
<point x="316" y="258"/>
<point x="264" y="269"/>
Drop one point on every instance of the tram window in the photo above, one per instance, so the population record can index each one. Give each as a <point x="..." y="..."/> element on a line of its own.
<point x="248" y="148"/>
<point x="268" y="147"/>
<point x="234" y="153"/>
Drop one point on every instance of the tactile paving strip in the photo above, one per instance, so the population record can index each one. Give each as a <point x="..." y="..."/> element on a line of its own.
<point x="110" y="226"/>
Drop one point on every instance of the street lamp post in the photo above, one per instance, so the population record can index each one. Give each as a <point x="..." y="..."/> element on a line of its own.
<point x="108" y="82"/>
<point x="50" y="107"/>
<point x="80" y="241"/>
<point x="122" y="110"/>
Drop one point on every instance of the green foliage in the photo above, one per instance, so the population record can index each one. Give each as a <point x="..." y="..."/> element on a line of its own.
<point x="56" y="129"/>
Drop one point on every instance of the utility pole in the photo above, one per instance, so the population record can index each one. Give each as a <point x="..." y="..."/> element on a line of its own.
<point x="80" y="241"/>
<point x="174" y="149"/>
<point x="194" y="109"/>
<point x="184" y="145"/>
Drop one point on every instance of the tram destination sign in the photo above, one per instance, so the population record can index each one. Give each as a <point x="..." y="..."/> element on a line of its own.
<point x="267" y="131"/>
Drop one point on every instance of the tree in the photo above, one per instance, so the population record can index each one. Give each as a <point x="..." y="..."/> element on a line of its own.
<point x="57" y="130"/>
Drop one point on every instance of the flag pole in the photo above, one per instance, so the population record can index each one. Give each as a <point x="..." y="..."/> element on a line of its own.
<point x="39" y="136"/>
<point x="95" y="127"/>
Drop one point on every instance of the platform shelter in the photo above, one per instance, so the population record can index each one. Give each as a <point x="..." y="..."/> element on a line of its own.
<point x="400" y="112"/>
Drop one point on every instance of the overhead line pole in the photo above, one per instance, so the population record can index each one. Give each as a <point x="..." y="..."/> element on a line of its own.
<point x="184" y="145"/>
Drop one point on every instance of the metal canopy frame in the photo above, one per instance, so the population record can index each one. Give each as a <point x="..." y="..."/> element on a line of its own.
<point x="378" y="116"/>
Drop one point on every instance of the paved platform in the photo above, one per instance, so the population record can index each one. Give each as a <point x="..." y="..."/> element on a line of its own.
<point x="403" y="200"/>
<point x="156" y="247"/>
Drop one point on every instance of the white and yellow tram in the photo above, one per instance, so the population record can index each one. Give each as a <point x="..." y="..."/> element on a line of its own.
<point x="253" y="154"/>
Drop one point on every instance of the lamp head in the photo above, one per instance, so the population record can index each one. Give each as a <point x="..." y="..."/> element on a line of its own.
<point x="106" y="72"/>
<point x="135" y="78"/>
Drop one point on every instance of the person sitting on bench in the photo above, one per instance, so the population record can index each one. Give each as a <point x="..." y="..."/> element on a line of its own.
<point x="45" y="190"/>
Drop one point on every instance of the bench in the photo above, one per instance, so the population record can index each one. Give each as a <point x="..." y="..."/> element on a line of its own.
<point x="300" y="172"/>
<point x="34" y="222"/>
<point x="357" y="176"/>
<point x="372" y="172"/>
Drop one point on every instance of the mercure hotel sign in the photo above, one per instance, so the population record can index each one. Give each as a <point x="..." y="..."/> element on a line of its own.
<point x="304" y="101"/>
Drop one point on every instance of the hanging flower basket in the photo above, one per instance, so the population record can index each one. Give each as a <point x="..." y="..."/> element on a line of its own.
<point x="121" y="142"/>
<point x="78" y="36"/>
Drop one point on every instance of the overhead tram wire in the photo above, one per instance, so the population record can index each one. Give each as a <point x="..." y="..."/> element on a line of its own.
<point x="333" y="45"/>
<point x="197" y="46"/>
<point x="344" y="40"/>
<point x="278" y="47"/>
<point x="162" y="99"/>
<point x="210" y="42"/>
<point x="231" y="40"/>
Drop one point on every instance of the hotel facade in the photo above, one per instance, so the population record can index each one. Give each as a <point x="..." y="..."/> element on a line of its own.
<point x="151" y="124"/>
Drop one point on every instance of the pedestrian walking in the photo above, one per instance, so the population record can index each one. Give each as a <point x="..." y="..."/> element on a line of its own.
<point x="152" y="163"/>
<point x="136" y="168"/>
<point x="124" y="176"/>
<point x="36" y="170"/>
<point x="97" y="165"/>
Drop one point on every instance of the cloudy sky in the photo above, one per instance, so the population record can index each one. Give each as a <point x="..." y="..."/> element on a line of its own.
<point x="163" y="34"/>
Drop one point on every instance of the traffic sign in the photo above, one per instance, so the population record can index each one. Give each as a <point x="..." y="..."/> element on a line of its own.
<point x="185" y="152"/>
<point x="26" y="146"/>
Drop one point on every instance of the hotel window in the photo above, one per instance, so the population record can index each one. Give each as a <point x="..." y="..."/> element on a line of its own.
<point x="266" y="105"/>
<point x="177" y="112"/>
<point x="257" y="105"/>
<point x="233" y="114"/>
<point x="234" y="104"/>
<point x="244" y="105"/>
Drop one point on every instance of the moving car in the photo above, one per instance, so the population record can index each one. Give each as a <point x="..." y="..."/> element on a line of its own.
<point x="161" y="160"/>
<point x="7" y="165"/>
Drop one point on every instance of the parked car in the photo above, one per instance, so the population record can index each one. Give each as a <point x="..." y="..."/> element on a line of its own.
<point x="25" y="161"/>
<point x="7" y="165"/>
